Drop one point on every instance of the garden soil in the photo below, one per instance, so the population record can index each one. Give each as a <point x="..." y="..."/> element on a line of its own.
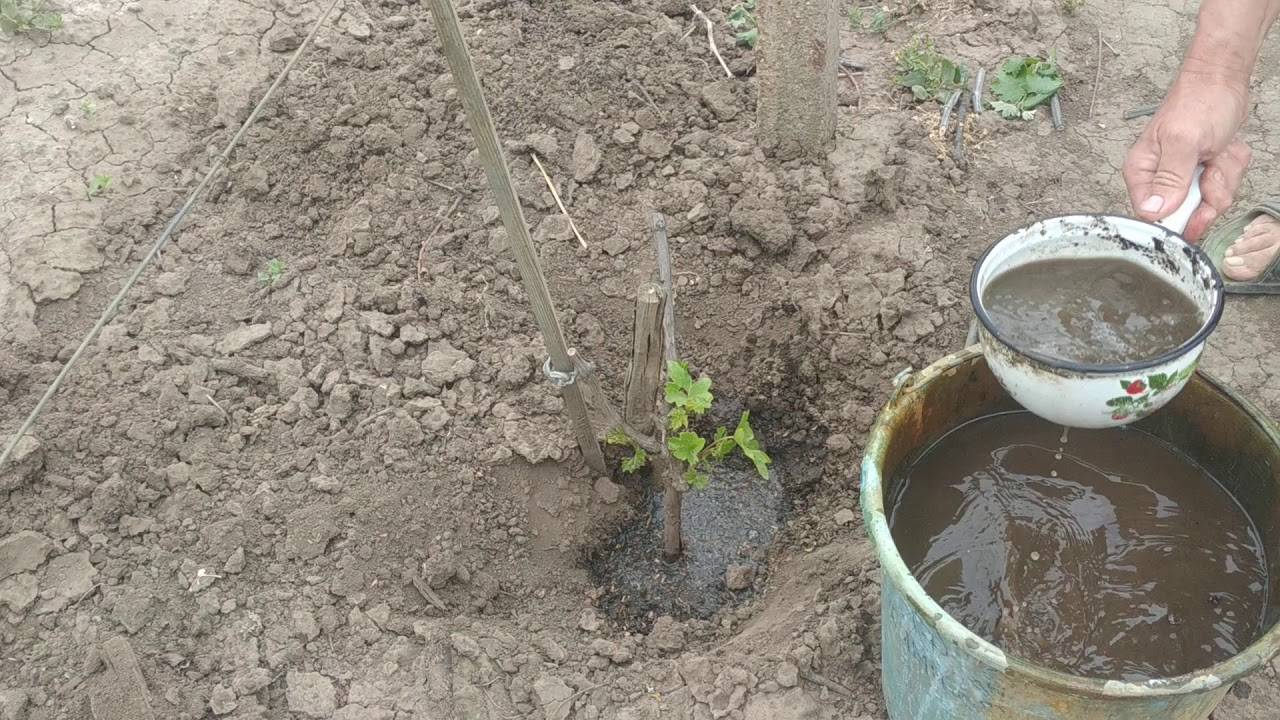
<point x="344" y="489"/>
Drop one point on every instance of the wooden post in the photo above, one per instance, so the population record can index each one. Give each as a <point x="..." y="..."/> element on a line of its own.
<point x="562" y="366"/>
<point x="667" y="468"/>
<point x="645" y="374"/>
<point x="797" y="56"/>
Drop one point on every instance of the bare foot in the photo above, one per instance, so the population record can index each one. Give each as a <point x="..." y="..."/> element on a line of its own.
<point x="1250" y="256"/>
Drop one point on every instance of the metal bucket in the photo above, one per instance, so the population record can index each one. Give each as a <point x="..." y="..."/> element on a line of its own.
<point x="936" y="669"/>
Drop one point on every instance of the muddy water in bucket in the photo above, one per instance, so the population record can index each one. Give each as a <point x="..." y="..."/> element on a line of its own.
<point x="1091" y="310"/>
<point x="1102" y="553"/>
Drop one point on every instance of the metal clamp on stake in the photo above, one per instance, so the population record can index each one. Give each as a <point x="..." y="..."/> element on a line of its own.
<point x="557" y="378"/>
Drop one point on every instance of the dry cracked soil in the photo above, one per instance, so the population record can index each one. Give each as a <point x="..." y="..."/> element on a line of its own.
<point x="345" y="490"/>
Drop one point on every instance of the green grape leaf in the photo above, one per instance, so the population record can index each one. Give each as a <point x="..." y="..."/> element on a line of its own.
<point x="722" y="446"/>
<point x="677" y="419"/>
<point x="686" y="447"/>
<point x="636" y="461"/>
<point x="699" y="400"/>
<point x="696" y="480"/>
<point x="745" y="437"/>
<point x="678" y="373"/>
<point x="617" y="436"/>
<point x="749" y="38"/>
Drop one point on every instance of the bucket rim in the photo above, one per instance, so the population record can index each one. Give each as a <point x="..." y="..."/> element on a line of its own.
<point x="895" y="570"/>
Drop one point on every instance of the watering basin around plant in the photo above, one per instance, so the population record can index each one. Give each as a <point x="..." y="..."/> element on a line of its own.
<point x="1034" y="572"/>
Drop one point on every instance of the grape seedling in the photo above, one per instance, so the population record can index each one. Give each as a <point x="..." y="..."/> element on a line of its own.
<point x="689" y="399"/>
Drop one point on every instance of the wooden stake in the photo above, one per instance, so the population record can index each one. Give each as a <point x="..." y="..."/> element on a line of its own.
<point x="658" y="228"/>
<point x="666" y="468"/>
<point x="561" y="365"/>
<point x="645" y="374"/>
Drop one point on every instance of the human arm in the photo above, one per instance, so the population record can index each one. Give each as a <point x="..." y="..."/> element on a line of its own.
<point x="1201" y="116"/>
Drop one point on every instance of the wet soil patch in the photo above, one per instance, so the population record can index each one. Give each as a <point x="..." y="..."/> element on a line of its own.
<point x="728" y="528"/>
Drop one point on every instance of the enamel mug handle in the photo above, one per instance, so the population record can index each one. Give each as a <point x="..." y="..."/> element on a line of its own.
<point x="1177" y="221"/>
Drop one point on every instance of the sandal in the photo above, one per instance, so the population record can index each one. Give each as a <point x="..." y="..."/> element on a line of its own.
<point x="1223" y="236"/>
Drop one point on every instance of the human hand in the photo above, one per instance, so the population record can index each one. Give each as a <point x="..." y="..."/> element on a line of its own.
<point x="1196" y="124"/>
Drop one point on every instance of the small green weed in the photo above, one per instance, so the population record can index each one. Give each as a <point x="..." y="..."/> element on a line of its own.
<point x="21" y="16"/>
<point x="1071" y="7"/>
<point x="88" y="108"/>
<point x="1023" y="84"/>
<point x="877" y="22"/>
<point x="742" y="19"/>
<point x="272" y="274"/>
<point x="98" y="185"/>
<point x="924" y="71"/>
<point x="689" y="399"/>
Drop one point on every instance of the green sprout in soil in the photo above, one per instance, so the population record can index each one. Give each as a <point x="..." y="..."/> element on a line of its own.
<point x="273" y="273"/>
<point x="98" y="185"/>
<point x="1023" y="84"/>
<point x="690" y="399"/>
<point x="929" y="75"/>
<point x="1071" y="7"/>
<point x="877" y="22"/>
<point x="88" y="108"/>
<point x="22" y="16"/>
<point x="742" y="19"/>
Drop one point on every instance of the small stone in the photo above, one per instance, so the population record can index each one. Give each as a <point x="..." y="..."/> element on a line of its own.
<point x="360" y="30"/>
<point x="586" y="158"/>
<point x="567" y="62"/>
<point x="341" y="401"/>
<point x="554" y="696"/>
<point x="243" y="337"/>
<point x="131" y="526"/>
<point x="589" y="620"/>
<point x="608" y="491"/>
<point x="654" y="145"/>
<point x="250" y="682"/>
<point x="544" y="144"/>
<point x="23" y="552"/>
<point x="399" y="22"/>
<point x="763" y="219"/>
<point x="845" y="516"/>
<point x="325" y="484"/>
<point x="68" y="577"/>
<point x="1242" y="690"/>
<point x="222" y="700"/>
<point x="829" y="638"/>
<point x="27" y="460"/>
<point x="377" y="323"/>
<point x="739" y="577"/>
<point x="720" y="99"/>
<point x="235" y="563"/>
<point x="309" y="531"/>
<point x="788" y="675"/>
<point x="13" y="704"/>
<point x="18" y="593"/>
<point x="666" y="636"/>
<point x="615" y="245"/>
<point x="446" y="365"/>
<point x="310" y="694"/>
<point x="465" y="645"/>
<point x="48" y="283"/>
<point x="283" y="40"/>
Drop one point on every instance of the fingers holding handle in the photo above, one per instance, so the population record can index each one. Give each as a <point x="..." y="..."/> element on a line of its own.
<point x="1178" y="219"/>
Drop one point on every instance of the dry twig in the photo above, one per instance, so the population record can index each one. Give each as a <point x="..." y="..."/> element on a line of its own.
<point x="1097" y="76"/>
<point x="422" y="250"/>
<point x="559" y="203"/>
<point x="711" y="38"/>
<point x="832" y="685"/>
<point x="427" y="593"/>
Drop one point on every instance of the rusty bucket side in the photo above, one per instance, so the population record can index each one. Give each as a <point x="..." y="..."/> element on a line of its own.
<point x="936" y="669"/>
